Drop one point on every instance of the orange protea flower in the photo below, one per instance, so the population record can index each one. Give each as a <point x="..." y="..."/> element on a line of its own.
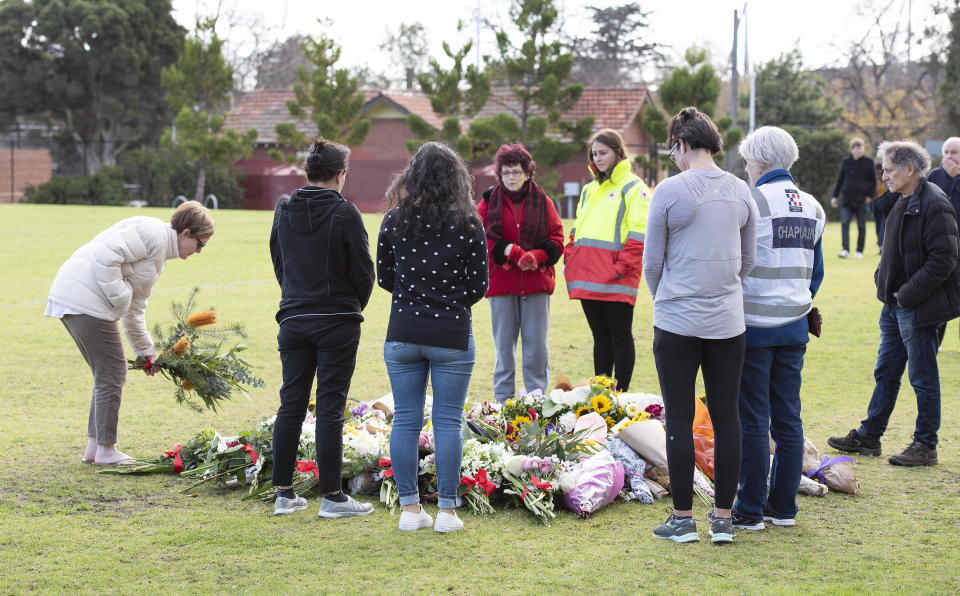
<point x="186" y="385"/>
<point x="181" y="347"/>
<point x="202" y="318"/>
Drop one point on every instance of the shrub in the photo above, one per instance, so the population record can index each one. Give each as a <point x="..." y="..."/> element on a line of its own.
<point x="103" y="188"/>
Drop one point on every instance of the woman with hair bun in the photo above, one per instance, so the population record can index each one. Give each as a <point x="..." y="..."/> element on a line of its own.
<point x="603" y="260"/>
<point x="701" y="243"/>
<point x="321" y="257"/>
<point x="524" y="241"/>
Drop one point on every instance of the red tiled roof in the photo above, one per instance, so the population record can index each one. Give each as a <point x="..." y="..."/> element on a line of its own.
<point x="263" y="109"/>
<point x="611" y="107"/>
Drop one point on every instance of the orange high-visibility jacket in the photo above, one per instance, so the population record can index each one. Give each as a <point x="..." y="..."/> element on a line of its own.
<point x="604" y="257"/>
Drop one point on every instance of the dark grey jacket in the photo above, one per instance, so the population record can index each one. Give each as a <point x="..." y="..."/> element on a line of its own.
<point x="920" y="260"/>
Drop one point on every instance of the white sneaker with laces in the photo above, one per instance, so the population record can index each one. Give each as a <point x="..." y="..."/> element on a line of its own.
<point x="415" y="521"/>
<point x="447" y="522"/>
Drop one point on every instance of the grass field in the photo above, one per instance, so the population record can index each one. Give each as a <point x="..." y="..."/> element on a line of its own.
<point x="64" y="528"/>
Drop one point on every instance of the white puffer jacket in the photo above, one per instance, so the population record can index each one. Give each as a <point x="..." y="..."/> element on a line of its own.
<point x="112" y="276"/>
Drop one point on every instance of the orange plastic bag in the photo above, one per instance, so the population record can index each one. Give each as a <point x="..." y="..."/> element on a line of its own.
<point x="703" y="437"/>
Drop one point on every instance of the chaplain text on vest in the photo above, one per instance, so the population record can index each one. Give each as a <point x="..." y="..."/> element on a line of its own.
<point x="794" y="232"/>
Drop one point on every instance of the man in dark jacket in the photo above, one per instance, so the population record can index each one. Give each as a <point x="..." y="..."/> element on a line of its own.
<point x="855" y="186"/>
<point x="918" y="281"/>
<point x="947" y="177"/>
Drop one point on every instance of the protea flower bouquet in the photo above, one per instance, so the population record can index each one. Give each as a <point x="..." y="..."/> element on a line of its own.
<point x="202" y="361"/>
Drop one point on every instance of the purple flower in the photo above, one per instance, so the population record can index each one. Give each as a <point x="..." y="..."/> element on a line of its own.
<point x="360" y="410"/>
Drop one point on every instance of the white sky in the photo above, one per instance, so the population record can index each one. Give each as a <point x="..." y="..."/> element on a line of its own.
<point x="819" y="28"/>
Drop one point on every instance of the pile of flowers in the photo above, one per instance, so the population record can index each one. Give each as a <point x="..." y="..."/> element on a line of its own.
<point x="527" y="451"/>
<point x="201" y="361"/>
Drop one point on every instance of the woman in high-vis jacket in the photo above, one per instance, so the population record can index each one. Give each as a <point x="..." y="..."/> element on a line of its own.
<point x="604" y="258"/>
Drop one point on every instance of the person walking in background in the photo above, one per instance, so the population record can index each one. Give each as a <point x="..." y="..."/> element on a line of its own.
<point x="321" y="258"/>
<point x="882" y="204"/>
<point x="778" y="296"/>
<point x="107" y="280"/>
<point x="918" y="282"/>
<point x="603" y="260"/>
<point x="701" y="243"/>
<point x="432" y="256"/>
<point x="855" y="186"/>
<point x="947" y="177"/>
<point x="524" y="241"/>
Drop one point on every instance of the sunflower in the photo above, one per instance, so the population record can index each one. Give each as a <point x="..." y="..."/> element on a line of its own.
<point x="181" y="347"/>
<point x="202" y="318"/>
<point x="583" y="410"/>
<point x="517" y="421"/>
<point x="600" y="403"/>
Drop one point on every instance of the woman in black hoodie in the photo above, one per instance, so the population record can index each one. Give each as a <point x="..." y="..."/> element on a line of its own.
<point x="321" y="257"/>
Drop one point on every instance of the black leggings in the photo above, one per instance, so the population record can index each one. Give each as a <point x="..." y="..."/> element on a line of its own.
<point x="612" y="326"/>
<point x="325" y="349"/>
<point x="678" y="357"/>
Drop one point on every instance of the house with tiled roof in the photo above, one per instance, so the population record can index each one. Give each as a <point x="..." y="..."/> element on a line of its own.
<point x="384" y="152"/>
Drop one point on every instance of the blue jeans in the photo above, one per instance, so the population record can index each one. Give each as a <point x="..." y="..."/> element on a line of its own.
<point x="449" y="370"/>
<point x="902" y="345"/>
<point x="770" y="403"/>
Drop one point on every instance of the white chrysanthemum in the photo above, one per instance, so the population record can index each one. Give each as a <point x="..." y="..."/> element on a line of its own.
<point x="567" y="421"/>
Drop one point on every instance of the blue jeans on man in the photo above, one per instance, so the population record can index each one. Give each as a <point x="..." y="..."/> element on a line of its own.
<point x="770" y="405"/>
<point x="409" y="365"/>
<point x="904" y="345"/>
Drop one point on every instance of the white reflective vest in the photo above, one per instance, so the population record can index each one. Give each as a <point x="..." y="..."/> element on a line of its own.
<point x="777" y="291"/>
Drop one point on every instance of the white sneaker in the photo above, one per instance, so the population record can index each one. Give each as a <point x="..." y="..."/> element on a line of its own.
<point x="843" y="254"/>
<point x="783" y="522"/>
<point x="447" y="522"/>
<point x="858" y="255"/>
<point x="348" y="508"/>
<point x="284" y="506"/>
<point x="415" y="521"/>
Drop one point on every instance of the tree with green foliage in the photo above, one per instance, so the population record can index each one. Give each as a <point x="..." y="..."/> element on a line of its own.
<point x="325" y="96"/>
<point x="536" y="70"/>
<point x="950" y="88"/>
<point x="786" y="94"/>
<point x="198" y="88"/>
<point x="92" y="68"/>
<point x="617" y="49"/>
<point x="454" y="93"/>
<point x="694" y="84"/>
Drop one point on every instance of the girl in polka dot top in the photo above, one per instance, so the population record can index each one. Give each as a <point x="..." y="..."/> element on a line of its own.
<point x="432" y="256"/>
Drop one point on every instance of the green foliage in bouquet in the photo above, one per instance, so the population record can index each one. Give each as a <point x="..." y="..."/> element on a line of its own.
<point x="195" y="358"/>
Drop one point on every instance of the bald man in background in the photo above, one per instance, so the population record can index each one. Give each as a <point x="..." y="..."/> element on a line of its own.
<point x="947" y="177"/>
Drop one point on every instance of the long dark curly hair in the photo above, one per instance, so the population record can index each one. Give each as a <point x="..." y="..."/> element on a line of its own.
<point x="436" y="186"/>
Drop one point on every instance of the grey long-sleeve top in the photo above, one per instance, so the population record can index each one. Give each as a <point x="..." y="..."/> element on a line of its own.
<point x="700" y="242"/>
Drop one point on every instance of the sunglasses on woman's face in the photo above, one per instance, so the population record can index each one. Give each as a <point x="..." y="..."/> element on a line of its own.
<point x="200" y="244"/>
<point x="673" y="151"/>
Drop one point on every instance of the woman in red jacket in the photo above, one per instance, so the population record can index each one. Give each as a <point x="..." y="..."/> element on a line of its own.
<point x="524" y="240"/>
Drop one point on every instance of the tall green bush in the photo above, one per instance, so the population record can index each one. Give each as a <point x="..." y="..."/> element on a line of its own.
<point x="164" y="172"/>
<point x="821" y="151"/>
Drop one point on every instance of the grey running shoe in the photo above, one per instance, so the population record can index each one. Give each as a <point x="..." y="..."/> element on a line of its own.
<point x="721" y="529"/>
<point x="677" y="529"/>
<point x="283" y="505"/>
<point x="854" y="442"/>
<point x="746" y="523"/>
<point x="916" y="454"/>
<point x="347" y="508"/>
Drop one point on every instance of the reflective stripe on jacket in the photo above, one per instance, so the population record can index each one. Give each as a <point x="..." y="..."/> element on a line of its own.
<point x="604" y="257"/>
<point x="777" y="290"/>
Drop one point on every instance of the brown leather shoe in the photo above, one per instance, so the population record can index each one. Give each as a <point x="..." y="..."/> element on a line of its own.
<point x="916" y="454"/>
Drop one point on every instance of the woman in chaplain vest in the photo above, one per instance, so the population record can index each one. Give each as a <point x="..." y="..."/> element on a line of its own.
<point x="604" y="258"/>
<point x="777" y="295"/>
